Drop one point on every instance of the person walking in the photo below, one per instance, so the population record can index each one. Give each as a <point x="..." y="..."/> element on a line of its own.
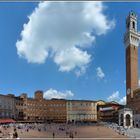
<point x="15" y="134"/>
<point x="53" y="135"/>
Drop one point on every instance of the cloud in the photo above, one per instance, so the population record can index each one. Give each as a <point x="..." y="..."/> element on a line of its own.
<point x="123" y="100"/>
<point x="81" y="71"/>
<point x="52" y="93"/>
<point x="100" y="73"/>
<point x="116" y="97"/>
<point x="139" y="82"/>
<point x="62" y="31"/>
<point x="68" y="60"/>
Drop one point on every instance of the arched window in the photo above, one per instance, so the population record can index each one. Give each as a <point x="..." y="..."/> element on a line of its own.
<point x="127" y="120"/>
<point x="121" y="119"/>
<point x="133" y="25"/>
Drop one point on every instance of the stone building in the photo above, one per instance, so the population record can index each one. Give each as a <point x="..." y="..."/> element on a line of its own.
<point x="19" y="108"/>
<point x="135" y="103"/>
<point x="38" y="109"/>
<point x="108" y="112"/>
<point x="7" y="106"/>
<point x="81" y="111"/>
<point x="56" y="110"/>
<point x="126" y="117"/>
<point x="131" y="40"/>
<point x="34" y="109"/>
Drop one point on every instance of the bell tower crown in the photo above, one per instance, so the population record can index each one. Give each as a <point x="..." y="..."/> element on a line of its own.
<point x="132" y="36"/>
<point x="131" y="21"/>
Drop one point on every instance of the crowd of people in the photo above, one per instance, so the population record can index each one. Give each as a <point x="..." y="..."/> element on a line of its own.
<point x="118" y="129"/>
<point x="15" y="130"/>
<point x="49" y="130"/>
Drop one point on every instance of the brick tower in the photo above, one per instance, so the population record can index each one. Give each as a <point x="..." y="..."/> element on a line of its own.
<point x="131" y="40"/>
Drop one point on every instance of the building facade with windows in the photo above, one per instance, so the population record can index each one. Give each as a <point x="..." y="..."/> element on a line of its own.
<point x="7" y="106"/>
<point x="19" y="108"/>
<point x="81" y="111"/>
<point x="34" y="109"/>
<point x="38" y="109"/>
<point x="109" y="112"/>
<point x="56" y="110"/>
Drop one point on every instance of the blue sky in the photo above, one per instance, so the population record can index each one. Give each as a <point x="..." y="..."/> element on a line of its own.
<point x="23" y="74"/>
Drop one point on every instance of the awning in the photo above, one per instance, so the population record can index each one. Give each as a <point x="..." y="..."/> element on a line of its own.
<point x="7" y="121"/>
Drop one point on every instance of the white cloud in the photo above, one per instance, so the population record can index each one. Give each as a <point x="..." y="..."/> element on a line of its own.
<point x="100" y="73"/>
<point x="52" y="93"/>
<point x="70" y="58"/>
<point x="81" y="71"/>
<point x="63" y="31"/>
<point x="123" y="100"/>
<point x="139" y="82"/>
<point x="116" y="97"/>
